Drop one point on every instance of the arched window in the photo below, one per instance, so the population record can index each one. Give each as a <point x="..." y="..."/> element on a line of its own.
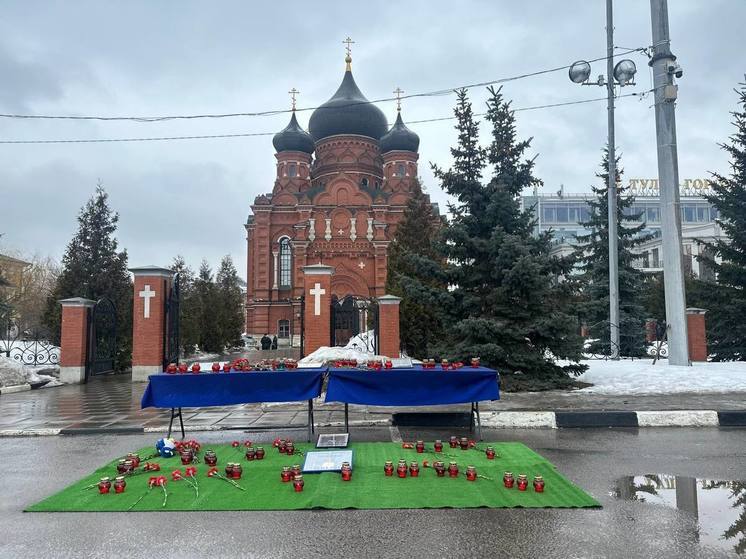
<point x="286" y="262"/>
<point x="400" y="170"/>
<point x="292" y="170"/>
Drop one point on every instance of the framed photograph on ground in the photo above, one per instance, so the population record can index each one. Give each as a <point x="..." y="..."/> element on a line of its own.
<point x="326" y="460"/>
<point x="333" y="440"/>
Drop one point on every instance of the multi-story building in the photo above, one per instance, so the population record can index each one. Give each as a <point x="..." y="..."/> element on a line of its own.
<point x="565" y="214"/>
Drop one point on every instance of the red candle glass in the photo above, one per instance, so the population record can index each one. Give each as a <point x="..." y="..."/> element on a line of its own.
<point x="389" y="364"/>
<point x="420" y="447"/>
<point x="490" y="452"/>
<point x="453" y="469"/>
<point x="285" y="475"/>
<point x="237" y="471"/>
<point x="539" y="484"/>
<point x="453" y="442"/>
<point x="250" y="453"/>
<point x="295" y="471"/>
<point x="211" y="459"/>
<point x="129" y="467"/>
<point x="183" y="368"/>
<point x="259" y="453"/>
<point x="121" y="467"/>
<point x="414" y="469"/>
<point x="216" y="367"/>
<point x="298" y="483"/>
<point x="346" y="471"/>
<point x="388" y="468"/>
<point x="104" y="486"/>
<point x="464" y="443"/>
<point x="172" y="368"/>
<point x="522" y="482"/>
<point x="135" y="459"/>
<point x="440" y="469"/>
<point x="475" y="362"/>
<point x="401" y="468"/>
<point x="187" y="456"/>
<point x="229" y="470"/>
<point x="508" y="480"/>
<point x="289" y="448"/>
<point x="471" y="473"/>
<point x="196" y="368"/>
<point x="282" y="446"/>
<point x="119" y="484"/>
<point x="226" y="367"/>
<point x="438" y="446"/>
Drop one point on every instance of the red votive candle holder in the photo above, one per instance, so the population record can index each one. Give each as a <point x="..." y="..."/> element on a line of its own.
<point x="440" y="469"/>
<point x="414" y="469"/>
<point x="471" y="473"/>
<point x="438" y="446"/>
<point x="134" y="458"/>
<point x="226" y="367"/>
<point x="281" y="446"/>
<point x="420" y="447"/>
<point x="259" y="453"/>
<point x="508" y="480"/>
<point x="401" y="469"/>
<point x="539" y="484"/>
<point x="186" y="456"/>
<point x="216" y="367"/>
<point x="172" y="368"/>
<point x="183" y="368"/>
<point x="237" y="471"/>
<point x="285" y="474"/>
<point x="389" y="364"/>
<point x="295" y="471"/>
<point x="475" y="362"/>
<point x="490" y="452"/>
<point x="346" y="471"/>
<point x="522" y="482"/>
<point x="453" y="442"/>
<point x="464" y="443"/>
<point x="250" y="453"/>
<point x="196" y="368"/>
<point x="121" y="466"/>
<point x="452" y="469"/>
<point x="289" y="448"/>
<point x="211" y="459"/>
<point x="388" y="468"/>
<point x="104" y="486"/>
<point x="229" y="470"/>
<point x="298" y="483"/>
<point x="119" y="484"/>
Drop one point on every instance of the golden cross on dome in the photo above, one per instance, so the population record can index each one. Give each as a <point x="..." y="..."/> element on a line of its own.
<point x="348" y="42"/>
<point x="398" y="91"/>
<point x="293" y="92"/>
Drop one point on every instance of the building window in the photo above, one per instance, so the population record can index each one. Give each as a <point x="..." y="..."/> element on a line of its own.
<point x="656" y="258"/>
<point x="283" y="329"/>
<point x="364" y="182"/>
<point x="378" y="185"/>
<point x="646" y="259"/>
<point x="400" y="170"/>
<point x="285" y="262"/>
<point x="292" y="170"/>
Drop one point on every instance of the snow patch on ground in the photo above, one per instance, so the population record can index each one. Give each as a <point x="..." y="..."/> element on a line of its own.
<point x="12" y="373"/>
<point x="642" y="377"/>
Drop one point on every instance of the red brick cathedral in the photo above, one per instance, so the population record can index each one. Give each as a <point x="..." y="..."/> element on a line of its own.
<point x="341" y="189"/>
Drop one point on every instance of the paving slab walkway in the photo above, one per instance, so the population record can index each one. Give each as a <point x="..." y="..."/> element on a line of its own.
<point x="112" y="403"/>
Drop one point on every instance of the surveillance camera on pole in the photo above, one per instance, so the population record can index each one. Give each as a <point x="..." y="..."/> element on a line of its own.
<point x="621" y="75"/>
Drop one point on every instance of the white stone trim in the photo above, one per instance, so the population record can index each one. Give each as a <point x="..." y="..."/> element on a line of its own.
<point x="76" y="302"/>
<point x="519" y="419"/>
<point x="140" y="373"/>
<point x="318" y="270"/>
<point x="678" y="418"/>
<point x="72" y="375"/>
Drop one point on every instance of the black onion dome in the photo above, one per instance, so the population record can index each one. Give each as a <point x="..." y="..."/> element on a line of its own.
<point x="293" y="138"/>
<point x="400" y="138"/>
<point x="347" y="112"/>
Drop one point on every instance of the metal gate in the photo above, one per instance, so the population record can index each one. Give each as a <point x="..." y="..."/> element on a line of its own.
<point x="353" y="316"/>
<point x="102" y="338"/>
<point x="171" y="316"/>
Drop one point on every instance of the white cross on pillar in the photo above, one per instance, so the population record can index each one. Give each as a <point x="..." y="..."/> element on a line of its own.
<point x="317" y="292"/>
<point x="147" y="295"/>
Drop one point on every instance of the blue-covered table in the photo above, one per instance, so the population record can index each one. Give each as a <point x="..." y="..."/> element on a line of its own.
<point x="414" y="387"/>
<point x="182" y="390"/>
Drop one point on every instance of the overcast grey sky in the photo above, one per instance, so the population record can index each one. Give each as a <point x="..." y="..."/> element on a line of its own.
<point x="163" y="58"/>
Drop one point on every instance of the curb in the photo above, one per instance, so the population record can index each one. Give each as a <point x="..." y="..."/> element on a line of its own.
<point x="491" y="419"/>
<point x="15" y="388"/>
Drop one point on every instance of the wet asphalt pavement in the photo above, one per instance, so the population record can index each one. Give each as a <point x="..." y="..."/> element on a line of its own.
<point x="33" y="468"/>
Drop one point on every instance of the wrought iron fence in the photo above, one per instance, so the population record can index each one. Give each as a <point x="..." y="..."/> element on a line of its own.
<point x="26" y="346"/>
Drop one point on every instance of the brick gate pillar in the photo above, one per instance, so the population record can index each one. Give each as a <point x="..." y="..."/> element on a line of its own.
<point x="74" y="339"/>
<point x="318" y="292"/>
<point x="695" y="323"/>
<point x="152" y="285"/>
<point x="389" y="343"/>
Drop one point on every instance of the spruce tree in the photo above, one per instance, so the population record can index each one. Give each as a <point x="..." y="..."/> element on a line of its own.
<point x="726" y="300"/>
<point x="415" y="273"/>
<point x="592" y="253"/>
<point x="189" y="307"/>
<point x="511" y="306"/>
<point x="93" y="267"/>
<point x="229" y="304"/>
<point x="209" y="321"/>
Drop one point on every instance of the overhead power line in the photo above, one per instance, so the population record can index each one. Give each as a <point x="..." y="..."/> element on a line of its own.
<point x="435" y="93"/>
<point x="246" y="135"/>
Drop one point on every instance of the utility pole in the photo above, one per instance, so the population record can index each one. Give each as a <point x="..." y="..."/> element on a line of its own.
<point x="612" y="193"/>
<point x="665" y="68"/>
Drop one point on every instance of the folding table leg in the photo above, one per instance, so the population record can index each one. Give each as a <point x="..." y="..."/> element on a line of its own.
<point x="171" y="423"/>
<point x="310" y="419"/>
<point x="479" y="421"/>
<point x="181" y="421"/>
<point x="471" y="419"/>
<point x="347" y="417"/>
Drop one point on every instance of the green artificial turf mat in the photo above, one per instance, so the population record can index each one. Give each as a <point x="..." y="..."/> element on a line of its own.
<point x="369" y="488"/>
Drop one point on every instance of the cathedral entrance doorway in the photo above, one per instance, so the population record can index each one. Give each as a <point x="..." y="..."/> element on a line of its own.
<point x="354" y="317"/>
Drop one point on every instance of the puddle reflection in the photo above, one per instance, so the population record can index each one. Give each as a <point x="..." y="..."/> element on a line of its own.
<point x="719" y="506"/>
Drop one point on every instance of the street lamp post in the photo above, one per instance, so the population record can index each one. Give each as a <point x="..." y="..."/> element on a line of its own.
<point x="622" y="74"/>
